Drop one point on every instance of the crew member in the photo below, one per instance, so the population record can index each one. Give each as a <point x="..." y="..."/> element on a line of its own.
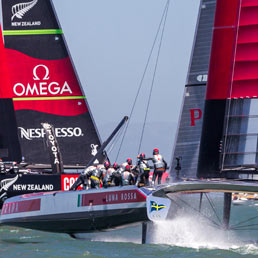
<point x="127" y="176"/>
<point x="160" y="166"/>
<point x="117" y="175"/>
<point x="109" y="175"/>
<point x="128" y="162"/>
<point x="95" y="176"/>
<point x="178" y="166"/>
<point x="82" y="179"/>
<point x="144" y="170"/>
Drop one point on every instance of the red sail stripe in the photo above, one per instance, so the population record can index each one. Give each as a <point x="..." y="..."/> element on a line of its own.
<point x="3" y="67"/>
<point x="31" y="77"/>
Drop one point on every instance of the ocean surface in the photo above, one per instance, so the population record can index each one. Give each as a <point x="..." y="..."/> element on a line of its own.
<point x="179" y="239"/>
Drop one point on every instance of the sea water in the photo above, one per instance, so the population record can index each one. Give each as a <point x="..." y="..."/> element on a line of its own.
<point x="178" y="238"/>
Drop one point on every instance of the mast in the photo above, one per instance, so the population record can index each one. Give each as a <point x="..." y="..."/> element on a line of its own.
<point x="44" y="86"/>
<point x="229" y="145"/>
<point x="190" y="123"/>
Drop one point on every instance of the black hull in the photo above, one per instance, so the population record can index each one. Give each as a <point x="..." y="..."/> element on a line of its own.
<point x="82" y="222"/>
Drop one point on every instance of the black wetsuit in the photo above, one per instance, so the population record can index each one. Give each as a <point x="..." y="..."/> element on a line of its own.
<point x="144" y="170"/>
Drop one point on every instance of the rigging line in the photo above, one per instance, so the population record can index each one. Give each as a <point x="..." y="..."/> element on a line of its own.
<point x="122" y="133"/>
<point x="213" y="207"/>
<point x="154" y="75"/>
<point x="218" y="225"/>
<point x="143" y="76"/>
<point x="115" y="140"/>
<point x="244" y="221"/>
<point x="244" y="226"/>
<point x="242" y="229"/>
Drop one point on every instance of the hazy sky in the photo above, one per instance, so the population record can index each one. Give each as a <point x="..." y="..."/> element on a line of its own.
<point x="110" y="41"/>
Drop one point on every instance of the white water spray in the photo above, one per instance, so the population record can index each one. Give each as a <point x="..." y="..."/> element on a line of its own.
<point x="192" y="232"/>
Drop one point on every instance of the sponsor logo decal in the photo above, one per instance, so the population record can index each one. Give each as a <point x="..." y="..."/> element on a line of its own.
<point x="18" y="12"/>
<point x="35" y="133"/>
<point x="68" y="181"/>
<point x="20" y="206"/>
<point x="117" y="197"/>
<point x="52" y="141"/>
<point x="156" y="207"/>
<point x="196" y="114"/>
<point x="5" y="184"/>
<point x="33" y="187"/>
<point x="202" y="78"/>
<point x="94" y="151"/>
<point x="42" y="86"/>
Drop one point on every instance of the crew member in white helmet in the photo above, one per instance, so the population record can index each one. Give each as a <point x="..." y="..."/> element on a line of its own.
<point x="160" y="166"/>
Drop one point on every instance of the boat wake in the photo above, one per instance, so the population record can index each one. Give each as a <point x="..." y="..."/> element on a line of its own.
<point x="125" y="235"/>
<point x="195" y="233"/>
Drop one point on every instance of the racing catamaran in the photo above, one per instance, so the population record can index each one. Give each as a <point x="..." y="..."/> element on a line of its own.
<point x="227" y="129"/>
<point x="39" y="85"/>
<point x="224" y="139"/>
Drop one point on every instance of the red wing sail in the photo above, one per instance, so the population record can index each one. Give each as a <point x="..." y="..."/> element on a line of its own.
<point x="9" y="142"/>
<point x="230" y="137"/>
<point x="44" y="86"/>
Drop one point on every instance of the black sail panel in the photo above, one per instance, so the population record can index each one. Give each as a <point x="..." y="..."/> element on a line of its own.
<point x="44" y="86"/>
<point x="190" y="124"/>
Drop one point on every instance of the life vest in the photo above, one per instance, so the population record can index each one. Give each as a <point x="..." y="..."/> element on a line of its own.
<point x="126" y="177"/>
<point x="158" y="161"/>
<point x="143" y="164"/>
<point x="109" y="173"/>
<point x="96" y="173"/>
<point x="120" y="170"/>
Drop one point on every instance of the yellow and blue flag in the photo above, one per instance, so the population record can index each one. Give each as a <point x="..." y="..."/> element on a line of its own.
<point x="156" y="207"/>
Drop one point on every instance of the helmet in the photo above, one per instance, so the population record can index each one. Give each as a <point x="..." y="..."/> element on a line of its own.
<point x="115" y="165"/>
<point x="106" y="164"/>
<point x="129" y="161"/>
<point x="142" y="156"/>
<point x="127" y="168"/>
<point x="155" y="151"/>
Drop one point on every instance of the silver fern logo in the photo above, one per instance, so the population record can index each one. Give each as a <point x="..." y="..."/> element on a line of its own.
<point x="20" y="9"/>
<point x="7" y="183"/>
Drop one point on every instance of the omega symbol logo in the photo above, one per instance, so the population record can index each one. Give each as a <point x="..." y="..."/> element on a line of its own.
<point x="36" y="77"/>
<point x="41" y="85"/>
